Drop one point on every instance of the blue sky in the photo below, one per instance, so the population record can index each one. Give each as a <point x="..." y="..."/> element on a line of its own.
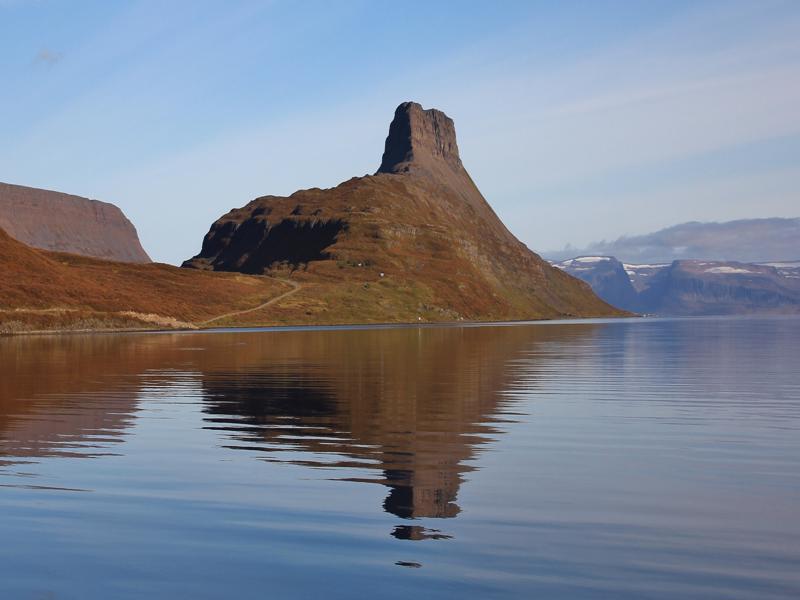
<point x="579" y="121"/>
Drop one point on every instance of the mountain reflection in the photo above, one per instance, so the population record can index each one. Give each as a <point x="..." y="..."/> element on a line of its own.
<point x="62" y="396"/>
<point x="409" y="407"/>
<point x="405" y="408"/>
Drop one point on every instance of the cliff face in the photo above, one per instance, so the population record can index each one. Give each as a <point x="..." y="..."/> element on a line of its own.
<point x="416" y="241"/>
<point x="65" y="223"/>
<point x="607" y="277"/>
<point x="420" y="140"/>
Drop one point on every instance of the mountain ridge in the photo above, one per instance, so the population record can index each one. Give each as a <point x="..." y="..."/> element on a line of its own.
<point x="692" y="287"/>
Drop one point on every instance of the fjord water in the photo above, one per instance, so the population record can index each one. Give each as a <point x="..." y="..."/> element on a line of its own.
<point x="622" y="459"/>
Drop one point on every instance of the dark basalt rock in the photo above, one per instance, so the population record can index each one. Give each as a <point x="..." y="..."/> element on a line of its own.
<point x="418" y="138"/>
<point x="255" y="244"/>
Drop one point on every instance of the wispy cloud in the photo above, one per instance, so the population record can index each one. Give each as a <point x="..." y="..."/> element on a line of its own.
<point x="575" y="128"/>
<point x="47" y="57"/>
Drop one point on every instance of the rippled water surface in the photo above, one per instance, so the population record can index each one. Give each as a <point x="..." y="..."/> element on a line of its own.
<point x="630" y="459"/>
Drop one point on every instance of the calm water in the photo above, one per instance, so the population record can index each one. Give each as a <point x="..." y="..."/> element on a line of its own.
<point x="632" y="459"/>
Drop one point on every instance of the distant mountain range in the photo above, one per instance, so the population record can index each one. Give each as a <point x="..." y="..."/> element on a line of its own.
<point x="746" y="240"/>
<point x="692" y="287"/>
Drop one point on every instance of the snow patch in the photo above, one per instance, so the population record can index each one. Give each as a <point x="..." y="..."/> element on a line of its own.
<point x="591" y="259"/>
<point x="727" y="270"/>
<point x="634" y="267"/>
<point x="784" y="265"/>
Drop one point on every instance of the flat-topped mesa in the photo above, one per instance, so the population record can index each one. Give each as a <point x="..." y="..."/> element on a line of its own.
<point x="66" y="223"/>
<point x="420" y="139"/>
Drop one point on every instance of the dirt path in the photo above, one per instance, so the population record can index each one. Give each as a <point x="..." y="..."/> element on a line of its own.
<point x="295" y="288"/>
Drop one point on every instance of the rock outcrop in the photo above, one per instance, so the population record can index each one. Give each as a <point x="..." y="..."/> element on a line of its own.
<point x="416" y="241"/>
<point x="420" y="139"/>
<point x="66" y="223"/>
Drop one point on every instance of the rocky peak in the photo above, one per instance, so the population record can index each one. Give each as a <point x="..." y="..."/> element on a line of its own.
<point x="419" y="139"/>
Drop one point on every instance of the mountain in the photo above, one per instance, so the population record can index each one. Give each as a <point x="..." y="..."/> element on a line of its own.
<point x="416" y="241"/>
<point x="790" y="269"/>
<point x="608" y="279"/>
<point x="692" y="287"/>
<point x="66" y="223"/>
<point x="747" y="240"/>
<point x="53" y="290"/>
<point x="642" y="274"/>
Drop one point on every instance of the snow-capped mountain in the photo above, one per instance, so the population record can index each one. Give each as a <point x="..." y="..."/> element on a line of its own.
<point x="691" y="287"/>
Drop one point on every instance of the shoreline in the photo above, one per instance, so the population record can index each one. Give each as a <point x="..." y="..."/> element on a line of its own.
<point x="326" y="327"/>
<point x="389" y="325"/>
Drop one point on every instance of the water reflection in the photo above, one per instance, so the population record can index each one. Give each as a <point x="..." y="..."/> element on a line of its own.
<point x="409" y="406"/>
<point x="62" y="396"/>
<point x="221" y="465"/>
<point x="408" y="409"/>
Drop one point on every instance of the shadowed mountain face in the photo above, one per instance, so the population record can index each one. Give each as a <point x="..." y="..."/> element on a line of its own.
<point x="607" y="277"/>
<point x="415" y="241"/>
<point x="256" y="243"/>
<point x="66" y="223"/>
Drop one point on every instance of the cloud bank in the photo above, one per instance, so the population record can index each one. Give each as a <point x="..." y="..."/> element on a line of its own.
<point x="745" y="240"/>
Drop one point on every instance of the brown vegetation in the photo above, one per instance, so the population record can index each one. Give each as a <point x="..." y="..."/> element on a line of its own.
<point x="51" y="290"/>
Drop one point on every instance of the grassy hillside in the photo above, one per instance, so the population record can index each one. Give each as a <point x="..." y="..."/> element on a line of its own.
<point x="52" y="290"/>
<point x="391" y="248"/>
